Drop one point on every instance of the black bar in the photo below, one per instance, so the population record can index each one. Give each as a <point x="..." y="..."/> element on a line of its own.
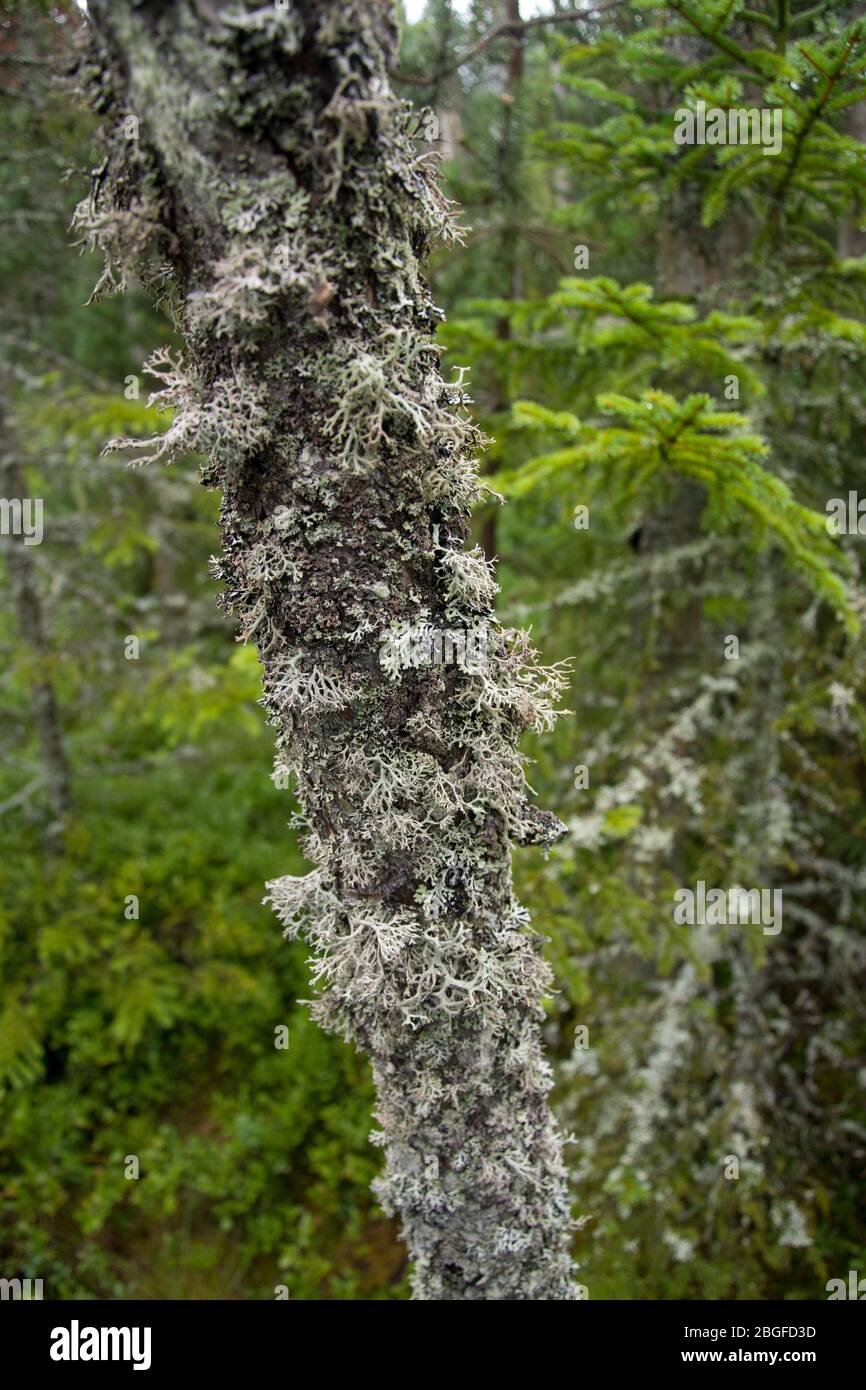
<point x="262" y="1337"/>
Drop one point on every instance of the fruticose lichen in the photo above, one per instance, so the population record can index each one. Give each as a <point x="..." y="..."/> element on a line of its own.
<point x="276" y="203"/>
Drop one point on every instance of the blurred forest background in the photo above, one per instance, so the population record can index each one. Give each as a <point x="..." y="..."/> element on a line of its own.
<point x="694" y="377"/>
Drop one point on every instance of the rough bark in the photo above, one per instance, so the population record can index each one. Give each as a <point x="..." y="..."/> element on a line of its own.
<point x="275" y="200"/>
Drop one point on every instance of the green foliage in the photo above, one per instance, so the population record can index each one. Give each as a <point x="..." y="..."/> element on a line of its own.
<point x="696" y="440"/>
<point x="116" y="1040"/>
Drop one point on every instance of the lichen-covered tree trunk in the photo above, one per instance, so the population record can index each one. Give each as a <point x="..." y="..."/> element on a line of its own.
<point x="262" y="179"/>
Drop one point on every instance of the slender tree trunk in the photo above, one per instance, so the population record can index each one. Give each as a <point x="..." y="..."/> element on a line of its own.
<point x="510" y="252"/>
<point x="28" y="609"/>
<point x="852" y="236"/>
<point x="273" y="198"/>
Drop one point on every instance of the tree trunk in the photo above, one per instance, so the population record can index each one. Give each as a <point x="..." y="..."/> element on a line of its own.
<point x="28" y="609"/>
<point x="852" y="236"/>
<point x="274" y="200"/>
<point x="509" y="196"/>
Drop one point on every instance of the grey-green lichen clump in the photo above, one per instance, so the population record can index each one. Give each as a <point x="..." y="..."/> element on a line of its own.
<point x="271" y="195"/>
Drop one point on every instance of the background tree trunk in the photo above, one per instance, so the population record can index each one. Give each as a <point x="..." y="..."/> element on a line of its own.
<point x="271" y="194"/>
<point x="509" y="172"/>
<point x="28" y="610"/>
